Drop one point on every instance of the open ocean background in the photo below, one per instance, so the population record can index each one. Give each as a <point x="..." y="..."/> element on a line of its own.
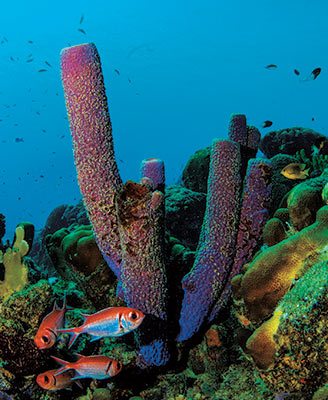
<point x="184" y="67"/>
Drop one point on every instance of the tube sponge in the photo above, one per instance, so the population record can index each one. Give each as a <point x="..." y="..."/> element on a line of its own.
<point x="153" y="169"/>
<point x="205" y="282"/>
<point x="91" y="128"/>
<point x="254" y="214"/>
<point x="141" y="227"/>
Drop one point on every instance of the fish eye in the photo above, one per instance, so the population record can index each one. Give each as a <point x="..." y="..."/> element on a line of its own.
<point x="133" y="315"/>
<point x="45" y="339"/>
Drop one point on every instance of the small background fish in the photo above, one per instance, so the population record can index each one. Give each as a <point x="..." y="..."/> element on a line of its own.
<point x="295" y="171"/>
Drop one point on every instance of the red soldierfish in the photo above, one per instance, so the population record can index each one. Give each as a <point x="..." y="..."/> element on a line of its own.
<point x="50" y="381"/>
<point x="112" y="321"/>
<point x="46" y="335"/>
<point x="94" y="367"/>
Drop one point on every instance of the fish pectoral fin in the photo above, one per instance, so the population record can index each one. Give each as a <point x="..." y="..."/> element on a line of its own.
<point x="77" y="377"/>
<point x="94" y="338"/>
<point x="79" y="384"/>
<point x="61" y="370"/>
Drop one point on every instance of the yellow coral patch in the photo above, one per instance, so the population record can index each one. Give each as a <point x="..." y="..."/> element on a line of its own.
<point x="16" y="272"/>
<point x="261" y="345"/>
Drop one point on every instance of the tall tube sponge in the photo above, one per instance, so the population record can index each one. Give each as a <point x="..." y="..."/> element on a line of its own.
<point x="91" y="130"/>
<point x="128" y="220"/>
<point x="216" y="246"/>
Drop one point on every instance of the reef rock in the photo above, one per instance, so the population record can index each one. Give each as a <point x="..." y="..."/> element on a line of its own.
<point x="195" y="173"/>
<point x="184" y="214"/>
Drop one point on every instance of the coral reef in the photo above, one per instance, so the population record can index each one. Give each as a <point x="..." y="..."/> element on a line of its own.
<point x="304" y="201"/>
<point x="296" y="344"/>
<point x="235" y="224"/>
<point x="270" y="275"/>
<point x="290" y="141"/>
<point x="317" y="162"/>
<point x="76" y="258"/>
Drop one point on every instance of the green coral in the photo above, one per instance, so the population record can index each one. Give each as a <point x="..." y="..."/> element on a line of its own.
<point x="316" y="162"/>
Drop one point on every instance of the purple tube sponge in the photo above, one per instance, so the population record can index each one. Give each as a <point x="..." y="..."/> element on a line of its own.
<point x="253" y="138"/>
<point x="254" y="214"/>
<point x="247" y="136"/>
<point x="153" y="169"/>
<point x="238" y="129"/>
<point x="216" y="248"/>
<point x="141" y="227"/>
<point x="91" y="129"/>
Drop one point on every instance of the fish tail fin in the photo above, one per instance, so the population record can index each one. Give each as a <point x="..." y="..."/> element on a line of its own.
<point x="306" y="172"/>
<point x="73" y="332"/>
<point x="64" y="365"/>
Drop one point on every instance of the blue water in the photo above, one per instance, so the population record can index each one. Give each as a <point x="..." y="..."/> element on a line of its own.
<point x="191" y="64"/>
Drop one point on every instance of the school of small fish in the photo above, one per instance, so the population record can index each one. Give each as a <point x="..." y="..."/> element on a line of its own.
<point x="109" y="322"/>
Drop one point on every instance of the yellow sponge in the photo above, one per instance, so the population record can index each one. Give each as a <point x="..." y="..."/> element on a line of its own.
<point x="16" y="271"/>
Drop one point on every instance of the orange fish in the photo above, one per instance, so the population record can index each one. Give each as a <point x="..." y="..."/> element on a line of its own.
<point x="94" y="367"/>
<point x="46" y="335"/>
<point x="112" y="321"/>
<point x="50" y="381"/>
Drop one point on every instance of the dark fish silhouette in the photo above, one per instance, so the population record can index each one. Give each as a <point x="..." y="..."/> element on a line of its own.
<point x="81" y="19"/>
<point x="82" y="31"/>
<point x="30" y="41"/>
<point x="129" y="80"/>
<point x="19" y="140"/>
<point x="42" y="70"/>
<point x="48" y="63"/>
<point x="29" y="60"/>
<point x="315" y="73"/>
<point x="296" y="72"/>
<point x="271" y="66"/>
<point x="312" y="119"/>
<point x="117" y="71"/>
<point x="12" y="58"/>
<point x="266" y="124"/>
